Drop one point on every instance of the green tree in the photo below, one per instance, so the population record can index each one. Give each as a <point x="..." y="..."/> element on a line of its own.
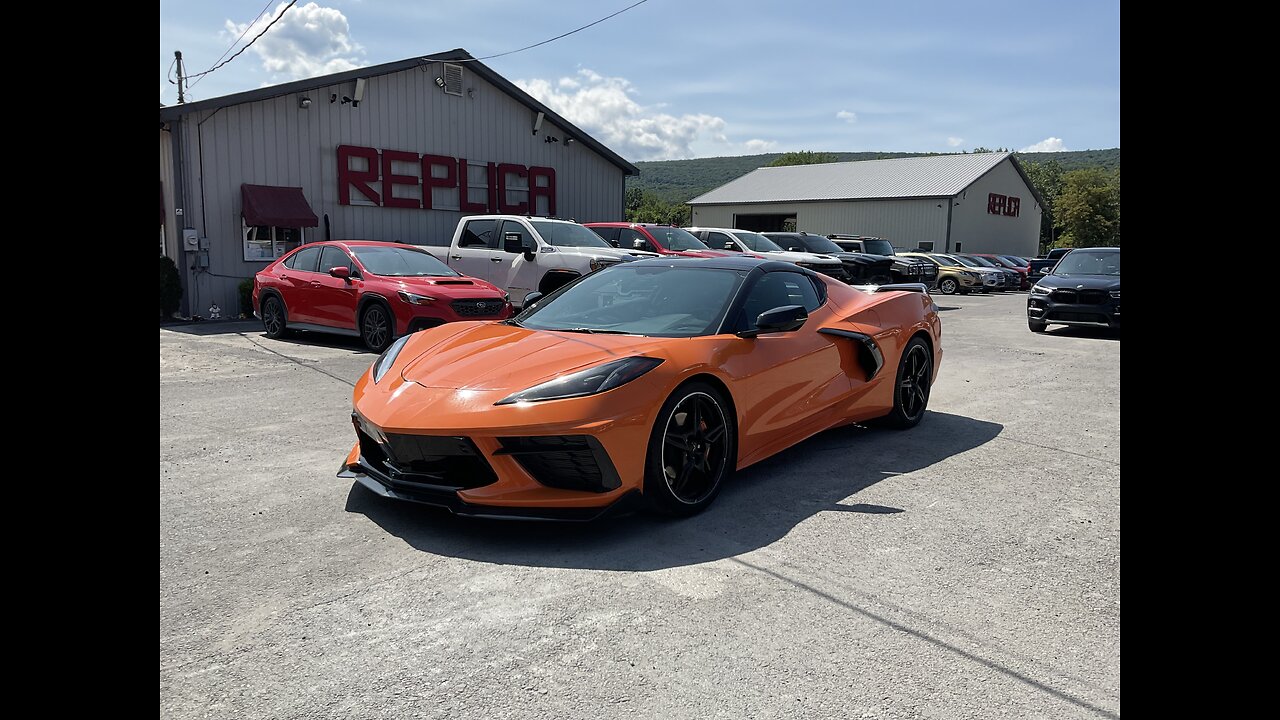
<point x="804" y="157"/>
<point x="1088" y="209"/>
<point x="1046" y="178"/>
<point x="170" y="287"/>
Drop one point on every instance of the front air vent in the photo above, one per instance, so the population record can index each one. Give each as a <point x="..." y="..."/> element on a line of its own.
<point x="453" y="79"/>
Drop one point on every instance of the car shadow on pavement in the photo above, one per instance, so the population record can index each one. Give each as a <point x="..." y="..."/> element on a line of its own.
<point x="212" y="327"/>
<point x="1080" y="331"/>
<point x="760" y="505"/>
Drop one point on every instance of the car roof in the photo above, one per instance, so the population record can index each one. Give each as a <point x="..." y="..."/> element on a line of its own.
<point x="366" y="243"/>
<point x="731" y="262"/>
<point x="1097" y="249"/>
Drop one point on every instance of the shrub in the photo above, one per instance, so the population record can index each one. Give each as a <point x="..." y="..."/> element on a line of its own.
<point x="246" y="297"/>
<point x="170" y="287"/>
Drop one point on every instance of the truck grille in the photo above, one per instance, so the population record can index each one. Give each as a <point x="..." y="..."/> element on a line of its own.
<point x="478" y="308"/>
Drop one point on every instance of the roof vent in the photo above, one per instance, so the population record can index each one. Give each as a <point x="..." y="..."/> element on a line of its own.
<point x="453" y="79"/>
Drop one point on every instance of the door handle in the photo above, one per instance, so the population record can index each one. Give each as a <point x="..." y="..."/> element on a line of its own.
<point x="456" y="257"/>
<point x="283" y="276"/>
<point x="495" y="259"/>
<point x="315" y="283"/>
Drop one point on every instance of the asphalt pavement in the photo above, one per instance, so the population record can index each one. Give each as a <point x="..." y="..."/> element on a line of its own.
<point x="968" y="568"/>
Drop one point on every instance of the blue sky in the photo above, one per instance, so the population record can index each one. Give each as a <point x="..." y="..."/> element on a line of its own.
<point x="701" y="78"/>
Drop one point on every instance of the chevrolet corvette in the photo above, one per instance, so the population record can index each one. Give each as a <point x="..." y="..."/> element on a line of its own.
<point x="647" y="383"/>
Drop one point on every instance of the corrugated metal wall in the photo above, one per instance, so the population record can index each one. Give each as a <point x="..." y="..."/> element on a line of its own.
<point x="980" y="231"/>
<point x="171" y="233"/>
<point x="275" y="142"/>
<point x="904" y="222"/>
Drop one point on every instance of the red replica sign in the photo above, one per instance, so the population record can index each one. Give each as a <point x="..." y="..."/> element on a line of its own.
<point x="1008" y="205"/>
<point x="377" y="182"/>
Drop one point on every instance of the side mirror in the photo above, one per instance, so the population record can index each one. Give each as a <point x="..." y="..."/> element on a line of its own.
<point x="531" y="298"/>
<point x="793" y="248"/>
<point x="780" y="319"/>
<point x="637" y="244"/>
<point x="342" y="271"/>
<point x="613" y="243"/>
<point x="528" y="245"/>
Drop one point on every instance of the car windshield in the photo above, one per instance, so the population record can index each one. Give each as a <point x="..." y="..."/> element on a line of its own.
<point x="878" y="247"/>
<point x="819" y="244"/>
<point x="1015" y="260"/>
<point x="982" y="262"/>
<point x="1001" y="261"/>
<point x="674" y="238"/>
<point x="568" y="234"/>
<point x="658" y="301"/>
<point x="1083" y="262"/>
<point x="756" y="241"/>
<point x="953" y="261"/>
<point x="400" y="262"/>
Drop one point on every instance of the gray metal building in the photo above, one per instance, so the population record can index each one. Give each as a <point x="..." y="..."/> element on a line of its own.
<point x="978" y="202"/>
<point x="394" y="152"/>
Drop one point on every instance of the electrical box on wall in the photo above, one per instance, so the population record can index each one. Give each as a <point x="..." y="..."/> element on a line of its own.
<point x="190" y="239"/>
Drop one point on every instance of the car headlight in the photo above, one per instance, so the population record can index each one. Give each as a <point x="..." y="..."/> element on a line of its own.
<point x="1040" y="290"/>
<point x="592" y="381"/>
<point x="597" y="263"/>
<point x="387" y="359"/>
<point x="1115" y="294"/>
<point x="415" y="298"/>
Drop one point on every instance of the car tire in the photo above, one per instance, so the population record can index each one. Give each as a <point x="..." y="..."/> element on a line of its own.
<point x="912" y="386"/>
<point x="1037" y="326"/>
<point x="674" y="484"/>
<point x="949" y="286"/>
<point x="377" y="327"/>
<point x="274" y="317"/>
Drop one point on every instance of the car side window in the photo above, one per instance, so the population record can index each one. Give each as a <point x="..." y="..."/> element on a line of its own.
<point x="720" y="241"/>
<point x="775" y="290"/>
<point x="608" y="234"/>
<point x="514" y="245"/>
<point x="478" y="234"/>
<point x="627" y="238"/>
<point x="307" y="259"/>
<point x="288" y="262"/>
<point x="332" y="257"/>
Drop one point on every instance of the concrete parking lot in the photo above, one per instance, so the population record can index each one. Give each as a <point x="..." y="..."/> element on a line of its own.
<point x="968" y="568"/>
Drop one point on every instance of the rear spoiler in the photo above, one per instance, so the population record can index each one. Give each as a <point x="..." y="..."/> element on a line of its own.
<point x="904" y="287"/>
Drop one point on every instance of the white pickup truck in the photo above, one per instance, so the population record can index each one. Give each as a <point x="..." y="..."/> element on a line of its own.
<point x="528" y="254"/>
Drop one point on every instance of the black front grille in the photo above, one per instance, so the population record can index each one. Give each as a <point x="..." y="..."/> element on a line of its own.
<point x="436" y="460"/>
<point x="478" y="308"/>
<point x="569" y="462"/>
<point x="1065" y="296"/>
<point x="1093" y="297"/>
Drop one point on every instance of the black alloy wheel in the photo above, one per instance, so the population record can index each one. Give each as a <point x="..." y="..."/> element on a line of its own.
<point x="375" y="328"/>
<point x="914" y="381"/>
<point x="693" y="449"/>
<point x="948" y="286"/>
<point x="273" y="320"/>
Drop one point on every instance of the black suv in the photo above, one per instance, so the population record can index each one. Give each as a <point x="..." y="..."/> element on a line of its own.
<point x="863" y="269"/>
<point x="905" y="269"/>
<point x="1083" y="289"/>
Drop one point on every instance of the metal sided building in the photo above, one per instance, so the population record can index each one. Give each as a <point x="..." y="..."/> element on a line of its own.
<point x="979" y="202"/>
<point x="395" y="152"/>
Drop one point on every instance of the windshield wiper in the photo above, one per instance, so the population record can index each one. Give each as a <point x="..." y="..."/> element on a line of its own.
<point x="593" y="331"/>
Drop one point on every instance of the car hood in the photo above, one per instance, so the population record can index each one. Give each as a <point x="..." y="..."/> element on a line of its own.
<point x="495" y="356"/>
<point x="862" y="258"/>
<point x="451" y="287"/>
<point x="1081" y="282"/>
<point x="798" y="257"/>
<point x="608" y="253"/>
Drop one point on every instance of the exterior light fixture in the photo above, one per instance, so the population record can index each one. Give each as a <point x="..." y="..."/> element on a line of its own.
<point x="439" y="81"/>
<point x="304" y="103"/>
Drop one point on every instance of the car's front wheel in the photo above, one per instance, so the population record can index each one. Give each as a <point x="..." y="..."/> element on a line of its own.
<point x="948" y="286"/>
<point x="912" y="385"/>
<point x="273" y="317"/>
<point x="376" y="327"/>
<point x="693" y="450"/>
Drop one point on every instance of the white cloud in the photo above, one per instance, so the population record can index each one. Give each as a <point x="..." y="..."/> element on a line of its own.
<point x="1050" y="144"/>
<point x="954" y="141"/>
<point x="309" y="40"/>
<point x="849" y="117"/>
<point x="604" y="107"/>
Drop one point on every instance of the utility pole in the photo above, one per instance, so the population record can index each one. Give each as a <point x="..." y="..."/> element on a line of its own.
<point x="177" y="60"/>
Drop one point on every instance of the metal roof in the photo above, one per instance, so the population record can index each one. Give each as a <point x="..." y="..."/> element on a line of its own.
<point x="173" y="112"/>
<point x="917" y="177"/>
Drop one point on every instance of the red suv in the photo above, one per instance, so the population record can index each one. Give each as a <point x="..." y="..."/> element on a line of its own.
<point x="662" y="239"/>
<point x="375" y="290"/>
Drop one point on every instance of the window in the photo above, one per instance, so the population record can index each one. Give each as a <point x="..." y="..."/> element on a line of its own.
<point x="775" y="290"/>
<point x="477" y="234"/>
<point x="401" y="262"/>
<point x="627" y="238"/>
<point x="567" y="234"/>
<point x="720" y="241"/>
<point x="958" y="246"/>
<point x="333" y="256"/>
<point x="515" y="245"/>
<point x="926" y="246"/>
<point x="610" y="234"/>
<point x="263" y="243"/>
<point x="307" y="259"/>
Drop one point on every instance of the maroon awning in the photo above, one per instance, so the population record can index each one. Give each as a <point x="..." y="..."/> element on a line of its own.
<point x="279" y="206"/>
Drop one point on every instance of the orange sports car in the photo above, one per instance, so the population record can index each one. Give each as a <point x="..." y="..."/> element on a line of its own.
<point x="645" y="382"/>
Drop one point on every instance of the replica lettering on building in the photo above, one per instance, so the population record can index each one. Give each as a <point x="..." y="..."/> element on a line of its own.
<point x="468" y="186"/>
<point x="1008" y="205"/>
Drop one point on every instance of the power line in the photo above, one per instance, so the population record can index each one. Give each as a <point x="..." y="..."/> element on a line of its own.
<point x="544" y="42"/>
<point x="255" y="39"/>
<point x="247" y="27"/>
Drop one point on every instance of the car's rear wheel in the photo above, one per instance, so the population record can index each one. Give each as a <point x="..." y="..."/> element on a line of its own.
<point x="912" y="385"/>
<point x="948" y="286"/>
<point x="273" y="317"/>
<point x="376" y="327"/>
<point x="693" y="450"/>
<point x="1037" y="326"/>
